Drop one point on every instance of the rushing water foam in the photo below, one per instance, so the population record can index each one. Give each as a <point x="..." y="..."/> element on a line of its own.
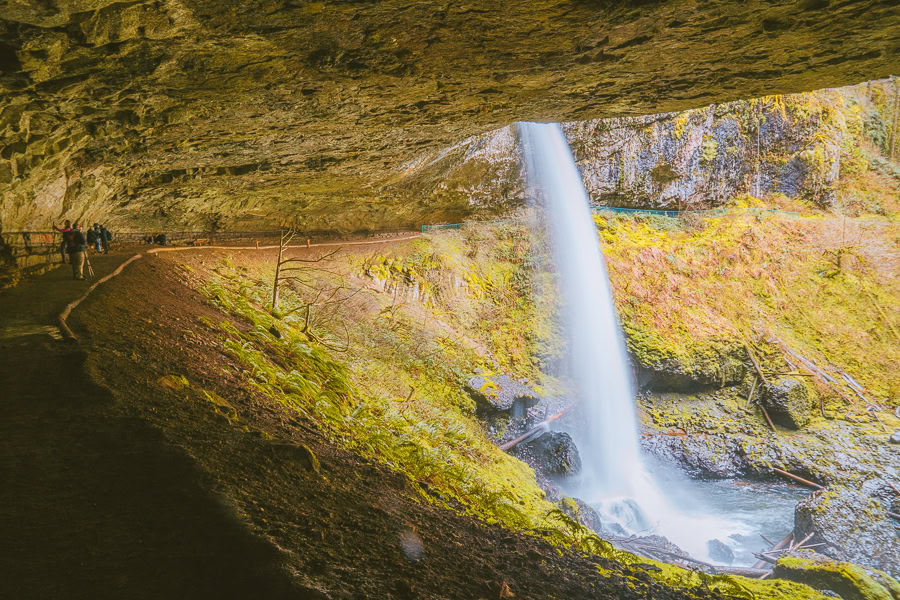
<point x="614" y="478"/>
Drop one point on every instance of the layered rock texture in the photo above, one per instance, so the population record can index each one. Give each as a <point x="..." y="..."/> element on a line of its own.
<point x="851" y="526"/>
<point x="235" y="114"/>
<point x="796" y="145"/>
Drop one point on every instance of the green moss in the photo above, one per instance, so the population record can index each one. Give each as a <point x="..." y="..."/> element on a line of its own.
<point x="708" y="149"/>
<point x="849" y="580"/>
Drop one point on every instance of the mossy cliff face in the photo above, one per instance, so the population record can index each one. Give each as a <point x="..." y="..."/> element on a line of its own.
<point x="798" y="145"/>
<point x="240" y="114"/>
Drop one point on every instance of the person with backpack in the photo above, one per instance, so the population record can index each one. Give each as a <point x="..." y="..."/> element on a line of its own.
<point x="105" y="238"/>
<point x="75" y="246"/>
<point x="93" y="237"/>
<point x="62" y="245"/>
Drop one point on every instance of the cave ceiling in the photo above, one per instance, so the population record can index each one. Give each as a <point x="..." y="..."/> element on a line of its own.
<point x="248" y="113"/>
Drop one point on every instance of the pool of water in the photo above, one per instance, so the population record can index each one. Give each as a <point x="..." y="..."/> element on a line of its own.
<point x="735" y="512"/>
<point x="759" y="509"/>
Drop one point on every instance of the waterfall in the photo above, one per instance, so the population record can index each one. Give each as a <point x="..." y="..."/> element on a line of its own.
<point x="614" y="477"/>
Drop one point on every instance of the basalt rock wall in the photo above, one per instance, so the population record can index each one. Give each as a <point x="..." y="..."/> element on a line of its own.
<point x="797" y="145"/>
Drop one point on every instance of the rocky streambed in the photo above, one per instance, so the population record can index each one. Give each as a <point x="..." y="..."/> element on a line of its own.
<point x="718" y="448"/>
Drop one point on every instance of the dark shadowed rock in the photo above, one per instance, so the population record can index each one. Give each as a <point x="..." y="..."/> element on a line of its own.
<point x="788" y="402"/>
<point x="499" y="393"/>
<point x="852" y="527"/>
<point x="553" y="453"/>
<point x="895" y="439"/>
<point x="720" y="552"/>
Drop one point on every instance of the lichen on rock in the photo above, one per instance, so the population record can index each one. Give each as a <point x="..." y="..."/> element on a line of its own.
<point x="852" y="527"/>
<point x="849" y="581"/>
<point x="788" y="401"/>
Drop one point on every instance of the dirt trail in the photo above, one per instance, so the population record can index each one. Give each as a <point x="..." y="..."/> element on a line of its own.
<point x="119" y="487"/>
<point x="93" y="503"/>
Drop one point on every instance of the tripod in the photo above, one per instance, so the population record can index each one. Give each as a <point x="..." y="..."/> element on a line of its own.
<point x="87" y="261"/>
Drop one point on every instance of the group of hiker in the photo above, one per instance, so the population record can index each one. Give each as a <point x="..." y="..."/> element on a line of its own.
<point x="75" y="243"/>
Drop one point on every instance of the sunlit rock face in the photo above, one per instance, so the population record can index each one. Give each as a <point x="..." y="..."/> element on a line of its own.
<point x="239" y="114"/>
<point x="795" y="145"/>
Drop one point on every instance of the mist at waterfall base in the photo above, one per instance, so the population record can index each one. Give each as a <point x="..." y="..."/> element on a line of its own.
<point x="615" y="479"/>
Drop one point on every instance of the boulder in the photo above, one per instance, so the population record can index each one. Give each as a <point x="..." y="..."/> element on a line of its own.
<point x="852" y="527"/>
<point x="895" y="439"/>
<point x="553" y="453"/>
<point x="845" y="580"/>
<point x="788" y="402"/>
<point x="664" y="368"/>
<point x="720" y="552"/>
<point x="585" y="514"/>
<point x="500" y="393"/>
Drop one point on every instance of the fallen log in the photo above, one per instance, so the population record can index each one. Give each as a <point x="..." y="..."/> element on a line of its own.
<point x="655" y="550"/>
<point x="894" y="488"/>
<point x="755" y="364"/>
<point x="742" y="571"/>
<point x="806" y="482"/>
<point x="540" y="428"/>
<point x="768" y="419"/>
<point x="787" y="540"/>
<point x="752" y="389"/>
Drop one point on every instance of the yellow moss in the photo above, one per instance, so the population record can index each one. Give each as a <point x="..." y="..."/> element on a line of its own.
<point x="174" y="382"/>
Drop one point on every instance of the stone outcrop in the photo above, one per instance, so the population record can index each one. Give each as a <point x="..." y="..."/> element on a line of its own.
<point x="788" y="402"/>
<point x="852" y="527"/>
<point x="796" y="145"/>
<point x="661" y="368"/>
<point x="840" y="579"/>
<point x="720" y="552"/>
<point x="553" y="453"/>
<point x="501" y="393"/>
<point x="231" y="114"/>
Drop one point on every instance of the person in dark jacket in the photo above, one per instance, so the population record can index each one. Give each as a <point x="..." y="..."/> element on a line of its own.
<point x="62" y="245"/>
<point x="93" y="237"/>
<point x="105" y="238"/>
<point x="75" y="246"/>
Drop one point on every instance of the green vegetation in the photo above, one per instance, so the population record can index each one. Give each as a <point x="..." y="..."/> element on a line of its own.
<point x="818" y="285"/>
<point x="851" y="581"/>
<point x="394" y="391"/>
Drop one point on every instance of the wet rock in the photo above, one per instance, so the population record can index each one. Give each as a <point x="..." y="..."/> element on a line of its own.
<point x="837" y="579"/>
<point x="582" y="512"/>
<point x="788" y="402"/>
<point x="720" y="552"/>
<point x="701" y="457"/>
<point x="500" y="393"/>
<point x="554" y="453"/>
<point x="852" y="527"/>
<point x="668" y="551"/>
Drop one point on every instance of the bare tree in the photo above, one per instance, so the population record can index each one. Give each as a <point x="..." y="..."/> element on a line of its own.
<point x="306" y="279"/>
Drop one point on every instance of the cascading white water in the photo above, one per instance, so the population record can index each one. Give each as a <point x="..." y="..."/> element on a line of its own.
<point x="614" y="477"/>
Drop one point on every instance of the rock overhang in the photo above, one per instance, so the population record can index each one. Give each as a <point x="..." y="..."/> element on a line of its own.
<point x="244" y="114"/>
